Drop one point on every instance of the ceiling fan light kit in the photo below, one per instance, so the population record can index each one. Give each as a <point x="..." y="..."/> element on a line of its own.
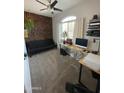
<point x="50" y="6"/>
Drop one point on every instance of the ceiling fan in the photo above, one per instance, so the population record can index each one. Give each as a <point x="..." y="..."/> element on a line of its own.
<point x="50" y="6"/>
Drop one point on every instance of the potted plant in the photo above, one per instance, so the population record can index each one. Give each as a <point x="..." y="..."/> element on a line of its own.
<point x="65" y="36"/>
<point x="28" y="26"/>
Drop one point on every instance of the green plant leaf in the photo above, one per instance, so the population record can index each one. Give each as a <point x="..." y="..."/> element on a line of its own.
<point x="28" y="24"/>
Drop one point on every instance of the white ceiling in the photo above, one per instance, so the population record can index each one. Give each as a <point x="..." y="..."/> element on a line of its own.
<point x="34" y="7"/>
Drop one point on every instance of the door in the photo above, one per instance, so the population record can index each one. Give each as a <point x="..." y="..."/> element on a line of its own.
<point x="27" y="77"/>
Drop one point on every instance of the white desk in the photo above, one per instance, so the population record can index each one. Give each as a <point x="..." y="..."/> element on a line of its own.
<point x="82" y="63"/>
<point x="74" y="51"/>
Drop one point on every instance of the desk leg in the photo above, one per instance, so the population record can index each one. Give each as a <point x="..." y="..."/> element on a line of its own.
<point x="80" y="72"/>
<point x="98" y="86"/>
<point x="79" y="80"/>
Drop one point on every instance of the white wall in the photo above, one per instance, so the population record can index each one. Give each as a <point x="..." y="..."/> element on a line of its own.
<point x="86" y="9"/>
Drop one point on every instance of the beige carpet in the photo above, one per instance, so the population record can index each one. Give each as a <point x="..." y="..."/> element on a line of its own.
<point x="50" y="71"/>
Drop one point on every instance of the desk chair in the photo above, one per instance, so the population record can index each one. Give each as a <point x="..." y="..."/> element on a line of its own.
<point x="76" y="88"/>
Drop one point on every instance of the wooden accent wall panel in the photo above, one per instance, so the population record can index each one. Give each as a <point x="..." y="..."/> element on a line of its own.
<point x="42" y="29"/>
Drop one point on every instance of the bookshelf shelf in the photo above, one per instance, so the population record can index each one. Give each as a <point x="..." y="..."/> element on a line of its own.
<point x="94" y="27"/>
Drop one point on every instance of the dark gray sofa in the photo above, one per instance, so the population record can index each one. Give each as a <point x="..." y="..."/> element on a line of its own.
<point x="38" y="46"/>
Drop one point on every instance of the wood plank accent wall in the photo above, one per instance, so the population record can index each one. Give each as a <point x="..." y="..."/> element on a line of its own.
<point x="42" y="29"/>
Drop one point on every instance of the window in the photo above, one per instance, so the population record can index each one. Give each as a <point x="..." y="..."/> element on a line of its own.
<point x="70" y="18"/>
<point x="68" y="25"/>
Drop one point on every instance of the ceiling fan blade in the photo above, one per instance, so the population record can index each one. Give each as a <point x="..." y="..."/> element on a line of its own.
<point x="43" y="9"/>
<point x="49" y="1"/>
<point x="54" y="3"/>
<point x="57" y="9"/>
<point x="41" y="2"/>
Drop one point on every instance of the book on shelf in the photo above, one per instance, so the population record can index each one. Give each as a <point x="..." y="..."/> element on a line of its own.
<point x="94" y="21"/>
<point x="94" y="24"/>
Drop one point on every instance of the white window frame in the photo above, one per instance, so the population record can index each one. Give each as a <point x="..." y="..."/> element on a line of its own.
<point x="69" y="21"/>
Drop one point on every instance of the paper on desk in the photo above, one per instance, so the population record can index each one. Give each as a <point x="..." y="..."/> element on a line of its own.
<point x="93" y="61"/>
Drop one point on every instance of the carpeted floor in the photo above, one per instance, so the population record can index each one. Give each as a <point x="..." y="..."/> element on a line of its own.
<point x="50" y="71"/>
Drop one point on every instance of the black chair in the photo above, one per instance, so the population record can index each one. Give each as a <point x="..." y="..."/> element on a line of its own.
<point x="76" y="88"/>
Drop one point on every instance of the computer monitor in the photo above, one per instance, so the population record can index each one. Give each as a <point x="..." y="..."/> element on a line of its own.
<point x="81" y="42"/>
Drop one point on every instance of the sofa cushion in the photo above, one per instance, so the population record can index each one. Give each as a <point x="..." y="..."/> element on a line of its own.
<point x="40" y="43"/>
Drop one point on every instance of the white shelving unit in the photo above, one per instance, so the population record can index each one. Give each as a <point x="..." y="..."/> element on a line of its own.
<point x="94" y="28"/>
